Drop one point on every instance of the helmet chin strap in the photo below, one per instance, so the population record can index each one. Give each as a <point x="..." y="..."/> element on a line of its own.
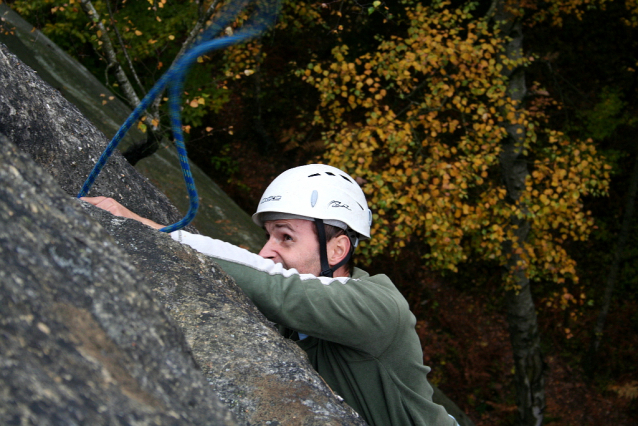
<point x="326" y="270"/>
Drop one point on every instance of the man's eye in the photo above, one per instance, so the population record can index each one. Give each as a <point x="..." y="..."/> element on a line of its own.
<point x="287" y="237"/>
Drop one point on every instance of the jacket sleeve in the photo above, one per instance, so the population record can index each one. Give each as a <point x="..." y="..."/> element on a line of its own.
<point x="349" y="311"/>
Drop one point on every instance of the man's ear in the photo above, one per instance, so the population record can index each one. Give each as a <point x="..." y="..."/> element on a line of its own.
<point x="338" y="249"/>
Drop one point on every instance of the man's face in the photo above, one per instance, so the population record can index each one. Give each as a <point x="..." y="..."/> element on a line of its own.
<point x="294" y="244"/>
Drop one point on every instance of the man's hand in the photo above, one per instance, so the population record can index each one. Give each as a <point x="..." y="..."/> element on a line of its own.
<point x="112" y="206"/>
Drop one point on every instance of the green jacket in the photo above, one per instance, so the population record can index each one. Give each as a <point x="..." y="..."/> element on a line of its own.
<point x="361" y="332"/>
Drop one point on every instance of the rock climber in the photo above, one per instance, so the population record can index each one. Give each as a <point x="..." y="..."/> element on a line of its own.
<point x="357" y="329"/>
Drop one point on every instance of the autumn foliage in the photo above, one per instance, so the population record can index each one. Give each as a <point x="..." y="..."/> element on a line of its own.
<point x="419" y="119"/>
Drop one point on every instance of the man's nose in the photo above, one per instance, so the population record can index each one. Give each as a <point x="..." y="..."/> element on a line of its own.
<point x="266" y="251"/>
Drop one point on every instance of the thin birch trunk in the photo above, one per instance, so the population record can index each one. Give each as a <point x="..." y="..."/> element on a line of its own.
<point x="521" y="313"/>
<point x="109" y="52"/>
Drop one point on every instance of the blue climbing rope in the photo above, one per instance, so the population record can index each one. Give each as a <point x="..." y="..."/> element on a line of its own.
<point x="262" y="17"/>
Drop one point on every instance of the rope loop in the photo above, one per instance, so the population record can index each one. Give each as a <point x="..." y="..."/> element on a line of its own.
<point x="263" y="16"/>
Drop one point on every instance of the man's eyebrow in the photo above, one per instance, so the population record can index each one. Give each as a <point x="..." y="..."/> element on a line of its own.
<point x="284" y="225"/>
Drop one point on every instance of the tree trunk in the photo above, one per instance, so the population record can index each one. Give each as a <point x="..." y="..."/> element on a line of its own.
<point x="521" y="314"/>
<point x="110" y="54"/>
<point x="590" y="361"/>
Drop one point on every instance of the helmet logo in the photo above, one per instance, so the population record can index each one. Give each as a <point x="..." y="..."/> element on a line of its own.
<point x="313" y="198"/>
<point x="335" y="203"/>
<point x="271" y="198"/>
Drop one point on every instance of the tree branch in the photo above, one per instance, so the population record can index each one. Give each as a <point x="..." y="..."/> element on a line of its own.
<point x="125" y="50"/>
<point x="195" y="31"/>
<point x="199" y="25"/>
<point x="109" y="50"/>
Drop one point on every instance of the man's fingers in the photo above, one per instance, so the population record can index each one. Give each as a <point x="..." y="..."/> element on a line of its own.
<point x="110" y="205"/>
<point x="93" y="200"/>
<point x="104" y="203"/>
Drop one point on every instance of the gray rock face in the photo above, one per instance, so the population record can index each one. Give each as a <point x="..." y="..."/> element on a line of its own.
<point x="62" y="72"/>
<point x="58" y="137"/>
<point x="84" y="326"/>
<point x="82" y="340"/>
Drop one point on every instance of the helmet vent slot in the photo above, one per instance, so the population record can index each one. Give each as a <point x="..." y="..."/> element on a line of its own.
<point x="316" y="174"/>
<point x="330" y="173"/>
<point x="346" y="178"/>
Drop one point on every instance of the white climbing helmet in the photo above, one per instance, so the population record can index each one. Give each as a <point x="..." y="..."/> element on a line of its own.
<point x="316" y="191"/>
